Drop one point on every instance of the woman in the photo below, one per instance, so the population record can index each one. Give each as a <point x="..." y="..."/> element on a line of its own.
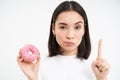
<point x="69" y="48"/>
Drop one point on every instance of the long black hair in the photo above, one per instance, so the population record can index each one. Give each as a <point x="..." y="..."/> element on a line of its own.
<point x="84" y="48"/>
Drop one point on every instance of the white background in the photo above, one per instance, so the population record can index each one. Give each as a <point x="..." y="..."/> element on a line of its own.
<point x="28" y="22"/>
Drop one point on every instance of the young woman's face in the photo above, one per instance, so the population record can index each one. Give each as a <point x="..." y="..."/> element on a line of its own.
<point x="69" y="30"/>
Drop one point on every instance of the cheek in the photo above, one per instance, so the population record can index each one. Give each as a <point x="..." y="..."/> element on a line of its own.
<point x="79" y="37"/>
<point x="59" y="36"/>
<point x="80" y="34"/>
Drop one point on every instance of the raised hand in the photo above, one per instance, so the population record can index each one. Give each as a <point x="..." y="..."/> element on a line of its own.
<point x="28" y="68"/>
<point x="100" y="66"/>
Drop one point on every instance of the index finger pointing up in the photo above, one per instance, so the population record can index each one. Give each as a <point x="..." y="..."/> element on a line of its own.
<point x="99" y="49"/>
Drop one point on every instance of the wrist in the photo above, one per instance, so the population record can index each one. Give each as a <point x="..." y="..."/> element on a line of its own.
<point x="102" y="79"/>
<point x="35" y="78"/>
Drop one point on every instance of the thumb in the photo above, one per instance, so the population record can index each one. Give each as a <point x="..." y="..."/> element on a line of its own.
<point x="94" y="66"/>
<point x="38" y="60"/>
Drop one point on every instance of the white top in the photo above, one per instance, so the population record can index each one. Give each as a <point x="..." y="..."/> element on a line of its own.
<point x="65" y="68"/>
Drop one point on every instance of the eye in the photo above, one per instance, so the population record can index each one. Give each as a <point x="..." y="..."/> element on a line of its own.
<point x="77" y="27"/>
<point x="62" y="27"/>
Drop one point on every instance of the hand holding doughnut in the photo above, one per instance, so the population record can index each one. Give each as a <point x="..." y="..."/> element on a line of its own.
<point x="29" y="53"/>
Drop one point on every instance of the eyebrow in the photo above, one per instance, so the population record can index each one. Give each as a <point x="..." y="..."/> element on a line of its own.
<point x="79" y="22"/>
<point x="62" y="23"/>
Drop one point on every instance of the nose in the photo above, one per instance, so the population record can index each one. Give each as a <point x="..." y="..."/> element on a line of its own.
<point x="69" y="34"/>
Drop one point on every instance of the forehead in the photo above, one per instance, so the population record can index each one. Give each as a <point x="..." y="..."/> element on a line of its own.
<point x="69" y="17"/>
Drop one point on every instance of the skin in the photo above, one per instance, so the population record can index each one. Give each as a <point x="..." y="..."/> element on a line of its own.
<point x="100" y="66"/>
<point x="29" y="69"/>
<point x="68" y="30"/>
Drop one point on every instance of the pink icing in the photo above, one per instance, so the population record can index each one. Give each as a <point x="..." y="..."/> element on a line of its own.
<point x="25" y="52"/>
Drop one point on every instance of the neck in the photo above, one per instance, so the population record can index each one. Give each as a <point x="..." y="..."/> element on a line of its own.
<point x="69" y="53"/>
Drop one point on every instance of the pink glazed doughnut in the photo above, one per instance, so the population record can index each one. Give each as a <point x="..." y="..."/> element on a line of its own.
<point x="29" y="53"/>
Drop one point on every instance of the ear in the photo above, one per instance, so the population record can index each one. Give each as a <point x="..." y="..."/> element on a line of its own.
<point x="53" y="28"/>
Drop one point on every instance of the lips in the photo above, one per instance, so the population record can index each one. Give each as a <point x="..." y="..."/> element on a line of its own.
<point x="69" y="44"/>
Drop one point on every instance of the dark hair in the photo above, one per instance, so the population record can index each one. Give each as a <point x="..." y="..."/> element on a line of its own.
<point x="84" y="48"/>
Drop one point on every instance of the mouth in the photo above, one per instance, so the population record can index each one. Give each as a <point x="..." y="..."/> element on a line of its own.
<point x="69" y="44"/>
